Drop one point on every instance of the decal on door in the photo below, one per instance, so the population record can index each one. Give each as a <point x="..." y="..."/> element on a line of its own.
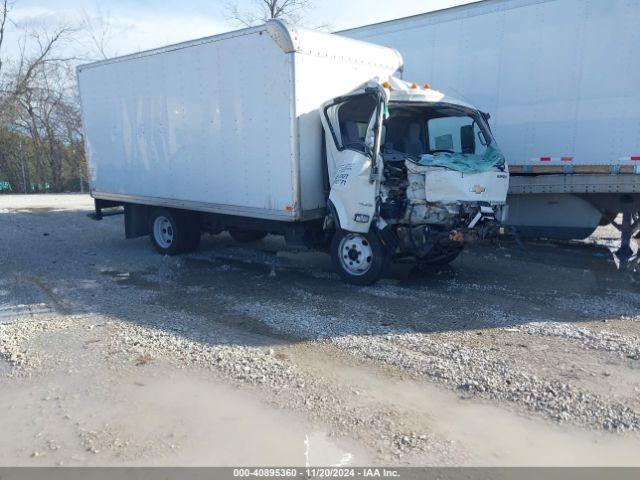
<point x="342" y="175"/>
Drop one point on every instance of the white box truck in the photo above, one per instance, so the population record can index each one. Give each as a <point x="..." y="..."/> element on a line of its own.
<point x="281" y="130"/>
<point x="560" y="79"/>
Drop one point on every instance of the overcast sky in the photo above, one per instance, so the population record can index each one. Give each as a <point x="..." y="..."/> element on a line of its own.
<point x="143" y="24"/>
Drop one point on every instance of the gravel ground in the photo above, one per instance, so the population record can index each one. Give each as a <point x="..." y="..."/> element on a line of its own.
<point x="113" y="355"/>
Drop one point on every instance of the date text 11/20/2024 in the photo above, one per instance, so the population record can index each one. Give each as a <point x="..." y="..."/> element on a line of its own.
<point x="320" y="472"/>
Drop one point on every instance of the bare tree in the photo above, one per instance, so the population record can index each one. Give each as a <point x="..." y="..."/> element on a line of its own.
<point x="97" y="33"/>
<point x="40" y="139"/>
<point x="292" y="11"/>
<point x="4" y="14"/>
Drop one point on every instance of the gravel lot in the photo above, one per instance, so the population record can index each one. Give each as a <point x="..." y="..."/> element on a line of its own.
<point x="240" y="355"/>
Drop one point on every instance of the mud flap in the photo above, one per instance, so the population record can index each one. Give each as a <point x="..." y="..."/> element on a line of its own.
<point x="136" y="221"/>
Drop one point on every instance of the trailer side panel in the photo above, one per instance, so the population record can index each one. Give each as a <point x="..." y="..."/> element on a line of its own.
<point x="559" y="77"/>
<point x="200" y="127"/>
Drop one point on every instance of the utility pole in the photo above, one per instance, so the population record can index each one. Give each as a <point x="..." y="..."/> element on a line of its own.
<point x="24" y="176"/>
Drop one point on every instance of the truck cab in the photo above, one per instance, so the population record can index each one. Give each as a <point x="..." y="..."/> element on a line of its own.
<point x="414" y="174"/>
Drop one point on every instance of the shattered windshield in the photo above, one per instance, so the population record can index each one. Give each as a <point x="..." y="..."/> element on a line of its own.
<point x="443" y="135"/>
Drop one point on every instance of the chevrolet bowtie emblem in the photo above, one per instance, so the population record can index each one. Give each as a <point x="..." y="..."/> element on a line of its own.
<point x="478" y="189"/>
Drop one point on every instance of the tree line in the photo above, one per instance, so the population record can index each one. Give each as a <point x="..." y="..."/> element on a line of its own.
<point x="41" y="144"/>
<point x="41" y="138"/>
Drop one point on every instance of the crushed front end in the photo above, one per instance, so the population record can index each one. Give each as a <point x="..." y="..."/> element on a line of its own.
<point x="444" y="180"/>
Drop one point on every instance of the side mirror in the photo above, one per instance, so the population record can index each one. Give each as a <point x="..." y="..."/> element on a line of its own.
<point x="467" y="139"/>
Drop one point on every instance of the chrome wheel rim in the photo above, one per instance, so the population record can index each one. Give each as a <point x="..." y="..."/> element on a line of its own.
<point x="163" y="231"/>
<point x="356" y="254"/>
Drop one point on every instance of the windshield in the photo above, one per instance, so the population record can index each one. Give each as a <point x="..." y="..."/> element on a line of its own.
<point x="442" y="135"/>
<point x="426" y="129"/>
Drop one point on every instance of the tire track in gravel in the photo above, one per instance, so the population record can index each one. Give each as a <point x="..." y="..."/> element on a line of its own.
<point x="623" y="345"/>
<point x="471" y="370"/>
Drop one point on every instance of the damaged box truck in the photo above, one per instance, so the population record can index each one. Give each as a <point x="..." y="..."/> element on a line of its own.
<point x="282" y="130"/>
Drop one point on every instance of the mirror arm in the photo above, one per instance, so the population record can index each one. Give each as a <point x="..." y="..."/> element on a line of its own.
<point x="375" y="170"/>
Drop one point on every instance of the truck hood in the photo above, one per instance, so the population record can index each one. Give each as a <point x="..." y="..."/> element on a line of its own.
<point x="442" y="185"/>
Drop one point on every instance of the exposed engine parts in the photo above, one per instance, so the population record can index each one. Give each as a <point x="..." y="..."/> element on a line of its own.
<point x="404" y="199"/>
<point x="421" y="228"/>
<point x="394" y="187"/>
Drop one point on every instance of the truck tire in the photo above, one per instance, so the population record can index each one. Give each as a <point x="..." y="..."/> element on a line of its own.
<point x="169" y="232"/>
<point x="359" y="258"/>
<point x="246" y="236"/>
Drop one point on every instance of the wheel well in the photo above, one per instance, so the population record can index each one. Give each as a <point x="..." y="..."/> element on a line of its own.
<point x="333" y="213"/>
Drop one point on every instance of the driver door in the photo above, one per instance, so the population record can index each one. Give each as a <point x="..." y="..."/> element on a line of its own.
<point x="353" y="129"/>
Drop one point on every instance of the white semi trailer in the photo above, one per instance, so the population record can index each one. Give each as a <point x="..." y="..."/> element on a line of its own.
<point x="560" y="79"/>
<point x="275" y="129"/>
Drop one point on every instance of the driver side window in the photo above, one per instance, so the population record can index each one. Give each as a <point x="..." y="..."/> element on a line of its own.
<point x="353" y="118"/>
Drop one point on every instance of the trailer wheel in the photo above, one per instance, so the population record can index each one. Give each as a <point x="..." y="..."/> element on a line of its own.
<point x="246" y="236"/>
<point x="359" y="258"/>
<point x="169" y="232"/>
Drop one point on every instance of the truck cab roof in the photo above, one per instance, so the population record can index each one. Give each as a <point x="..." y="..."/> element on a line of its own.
<point x="402" y="91"/>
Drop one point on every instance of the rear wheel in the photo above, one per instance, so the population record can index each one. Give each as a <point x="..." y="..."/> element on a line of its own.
<point x="359" y="258"/>
<point x="246" y="236"/>
<point x="173" y="232"/>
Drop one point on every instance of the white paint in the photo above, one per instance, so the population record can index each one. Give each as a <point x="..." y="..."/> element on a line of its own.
<point x="228" y="123"/>
<point x="559" y="77"/>
<point x="443" y="185"/>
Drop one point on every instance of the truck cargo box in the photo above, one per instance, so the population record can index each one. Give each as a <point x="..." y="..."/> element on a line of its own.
<point x="226" y="124"/>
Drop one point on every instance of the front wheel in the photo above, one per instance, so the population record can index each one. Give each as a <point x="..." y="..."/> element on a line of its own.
<point x="359" y="258"/>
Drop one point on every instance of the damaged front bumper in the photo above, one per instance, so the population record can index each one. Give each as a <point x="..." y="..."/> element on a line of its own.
<point x="483" y="225"/>
<point x="422" y="240"/>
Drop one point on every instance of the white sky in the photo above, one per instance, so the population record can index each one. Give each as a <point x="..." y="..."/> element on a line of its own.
<point x="143" y="24"/>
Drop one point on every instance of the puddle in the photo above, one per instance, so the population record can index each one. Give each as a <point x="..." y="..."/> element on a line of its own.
<point x="219" y="425"/>
<point x="491" y="434"/>
<point x="152" y="417"/>
<point x="140" y="279"/>
<point x="36" y="210"/>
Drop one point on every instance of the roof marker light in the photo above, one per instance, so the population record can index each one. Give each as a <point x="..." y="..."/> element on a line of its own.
<point x="427" y="86"/>
<point x="414" y="85"/>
